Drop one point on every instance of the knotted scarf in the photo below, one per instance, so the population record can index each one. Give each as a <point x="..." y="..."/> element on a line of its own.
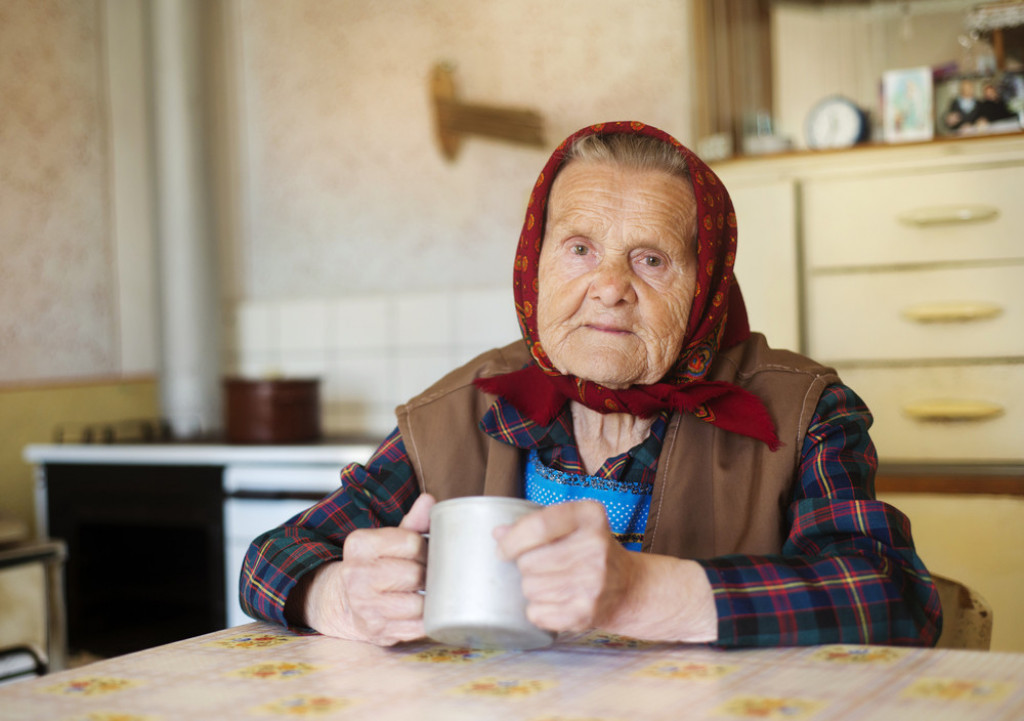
<point x="718" y="318"/>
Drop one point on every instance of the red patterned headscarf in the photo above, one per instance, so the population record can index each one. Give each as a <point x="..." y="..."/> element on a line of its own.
<point x="718" y="318"/>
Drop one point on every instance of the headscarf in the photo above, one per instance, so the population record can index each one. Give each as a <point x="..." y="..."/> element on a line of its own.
<point x="717" y="321"/>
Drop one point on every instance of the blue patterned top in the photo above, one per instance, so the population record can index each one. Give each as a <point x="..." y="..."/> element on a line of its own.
<point x="626" y="503"/>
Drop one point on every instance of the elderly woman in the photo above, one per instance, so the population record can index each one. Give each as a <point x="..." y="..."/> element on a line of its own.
<point x="698" y="485"/>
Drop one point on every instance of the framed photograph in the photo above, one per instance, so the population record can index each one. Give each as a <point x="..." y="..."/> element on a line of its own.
<point x="979" y="105"/>
<point x="907" y="113"/>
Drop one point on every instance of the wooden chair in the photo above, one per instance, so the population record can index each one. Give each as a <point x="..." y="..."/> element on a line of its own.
<point x="966" y="616"/>
<point x="51" y="554"/>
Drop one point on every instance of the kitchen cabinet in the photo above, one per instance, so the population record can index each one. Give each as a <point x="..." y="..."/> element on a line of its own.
<point x="910" y="282"/>
<point x="767" y="266"/>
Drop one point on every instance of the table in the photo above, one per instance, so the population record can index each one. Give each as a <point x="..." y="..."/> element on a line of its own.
<point x="261" y="671"/>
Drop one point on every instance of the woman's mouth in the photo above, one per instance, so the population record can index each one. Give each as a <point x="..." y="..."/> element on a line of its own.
<point x="609" y="328"/>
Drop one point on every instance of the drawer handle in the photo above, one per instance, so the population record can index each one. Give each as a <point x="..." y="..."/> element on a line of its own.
<point x="948" y="215"/>
<point x="955" y="312"/>
<point x="944" y="411"/>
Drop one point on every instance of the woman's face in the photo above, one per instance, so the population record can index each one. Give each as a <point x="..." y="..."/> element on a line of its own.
<point x="617" y="273"/>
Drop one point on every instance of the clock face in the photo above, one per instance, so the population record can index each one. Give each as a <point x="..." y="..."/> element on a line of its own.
<point x="835" y="123"/>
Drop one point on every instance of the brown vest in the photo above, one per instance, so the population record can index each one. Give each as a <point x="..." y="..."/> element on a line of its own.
<point x="715" y="492"/>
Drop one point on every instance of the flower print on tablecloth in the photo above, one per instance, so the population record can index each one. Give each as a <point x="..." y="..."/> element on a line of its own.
<point x="451" y="654"/>
<point x="958" y="689"/>
<point x="690" y="670"/>
<point x="90" y="686"/>
<point x="574" y="718"/>
<point x="602" y="639"/>
<point x="859" y="654"/>
<point x="304" y="705"/>
<point x="275" y="670"/>
<point x="503" y="687"/>
<point x="110" y="716"/>
<point x="770" y="707"/>
<point x="253" y="640"/>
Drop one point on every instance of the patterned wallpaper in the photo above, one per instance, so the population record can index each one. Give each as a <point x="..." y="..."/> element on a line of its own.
<point x="57" y="310"/>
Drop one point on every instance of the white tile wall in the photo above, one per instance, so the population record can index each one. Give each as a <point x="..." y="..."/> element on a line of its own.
<point x="361" y="324"/>
<point x="370" y="352"/>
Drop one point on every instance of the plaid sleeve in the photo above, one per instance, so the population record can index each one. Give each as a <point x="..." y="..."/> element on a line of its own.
<point x="848" y="572"/>
<point x="376" y="495"/>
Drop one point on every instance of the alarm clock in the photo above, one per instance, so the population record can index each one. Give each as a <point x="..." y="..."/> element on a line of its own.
<point x="836" y="122"/>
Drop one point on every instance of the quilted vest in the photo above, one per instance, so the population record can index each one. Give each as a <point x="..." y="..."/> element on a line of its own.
<point x="715" y="492"/>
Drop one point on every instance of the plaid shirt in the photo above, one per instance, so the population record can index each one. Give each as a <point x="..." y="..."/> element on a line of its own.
<point x="848" y="572"/>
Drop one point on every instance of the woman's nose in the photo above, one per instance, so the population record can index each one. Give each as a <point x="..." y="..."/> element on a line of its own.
<point x="612" y="283"/>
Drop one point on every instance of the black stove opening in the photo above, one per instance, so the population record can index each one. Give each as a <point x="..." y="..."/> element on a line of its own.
<point x="145" y="561"/>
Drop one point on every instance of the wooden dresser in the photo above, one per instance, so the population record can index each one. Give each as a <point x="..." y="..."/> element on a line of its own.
<point x="903" y="267"/>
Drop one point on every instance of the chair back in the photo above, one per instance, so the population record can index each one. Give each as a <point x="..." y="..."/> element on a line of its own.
<point x="966" y="616"/>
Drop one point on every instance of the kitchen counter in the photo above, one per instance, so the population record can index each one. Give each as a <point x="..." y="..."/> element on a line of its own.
<point x="335" y="452"/>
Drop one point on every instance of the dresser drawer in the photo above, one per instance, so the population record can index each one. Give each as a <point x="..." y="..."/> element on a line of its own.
<point x="915" y="217"/>
<point x="954" y="313"/>
<point x="968" y="413"/>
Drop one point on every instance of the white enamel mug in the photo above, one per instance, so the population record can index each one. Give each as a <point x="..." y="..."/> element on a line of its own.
<point x="473" y="598"/>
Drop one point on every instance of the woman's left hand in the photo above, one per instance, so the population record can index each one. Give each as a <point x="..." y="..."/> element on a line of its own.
<point x="577" y="577"/>
<point x="575" y="574"/>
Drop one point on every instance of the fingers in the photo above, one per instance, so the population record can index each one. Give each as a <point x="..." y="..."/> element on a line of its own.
<point x="382" y="602"/>
<point x="371" y="595"/>
<point x="387" y="618"/>
<point x="548" y="526"/>
<point x="385" y="575"/>
<point x="574" y="573"/>
<point x="368" y="599"/>
<point x="385" y="607"/>
<point x="366" y="544"/>
<point x="404" y="541"/>
<point x="418" y="517"/>
<point x="401" y="631"/>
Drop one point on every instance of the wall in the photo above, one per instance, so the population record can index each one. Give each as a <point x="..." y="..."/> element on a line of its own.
<point x="58" y="305"/>
<point x="30" y="413"/>
<point x="344" y="189"/>
<point x="336" y="212"/>
<point x="360" y="255"/>
<point x="76" y="301"/>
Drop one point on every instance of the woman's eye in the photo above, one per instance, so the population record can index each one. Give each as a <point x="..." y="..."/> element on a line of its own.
<point x="578" y="249"/>
<point x="652" y="261"/>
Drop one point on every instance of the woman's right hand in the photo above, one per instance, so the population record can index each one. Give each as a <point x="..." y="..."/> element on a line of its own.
<point x="373" y="594"/>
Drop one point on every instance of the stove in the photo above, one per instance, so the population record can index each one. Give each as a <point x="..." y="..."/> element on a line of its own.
<point x="157" y="527"/>
<point x="139" y="430"/>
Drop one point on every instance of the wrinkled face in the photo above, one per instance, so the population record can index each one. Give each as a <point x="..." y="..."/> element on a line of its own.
<point x="617" y="273"/>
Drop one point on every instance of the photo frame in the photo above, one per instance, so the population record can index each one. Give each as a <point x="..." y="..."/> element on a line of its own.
<point x="979" y="104"/>
<point x="907" y="105"/>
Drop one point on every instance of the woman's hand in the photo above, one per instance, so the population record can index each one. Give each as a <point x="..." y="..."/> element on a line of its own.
<point x="372" y="595"/>
<point x="577" y="577"/>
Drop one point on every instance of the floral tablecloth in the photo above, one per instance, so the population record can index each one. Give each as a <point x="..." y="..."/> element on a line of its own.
<point x="262" y="671"/>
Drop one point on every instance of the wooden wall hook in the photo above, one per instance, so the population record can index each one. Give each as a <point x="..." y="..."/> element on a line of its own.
<point x="455" y="119"/>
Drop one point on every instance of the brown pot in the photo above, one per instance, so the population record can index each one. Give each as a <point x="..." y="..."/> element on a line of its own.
<point x="272" y="411"/>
